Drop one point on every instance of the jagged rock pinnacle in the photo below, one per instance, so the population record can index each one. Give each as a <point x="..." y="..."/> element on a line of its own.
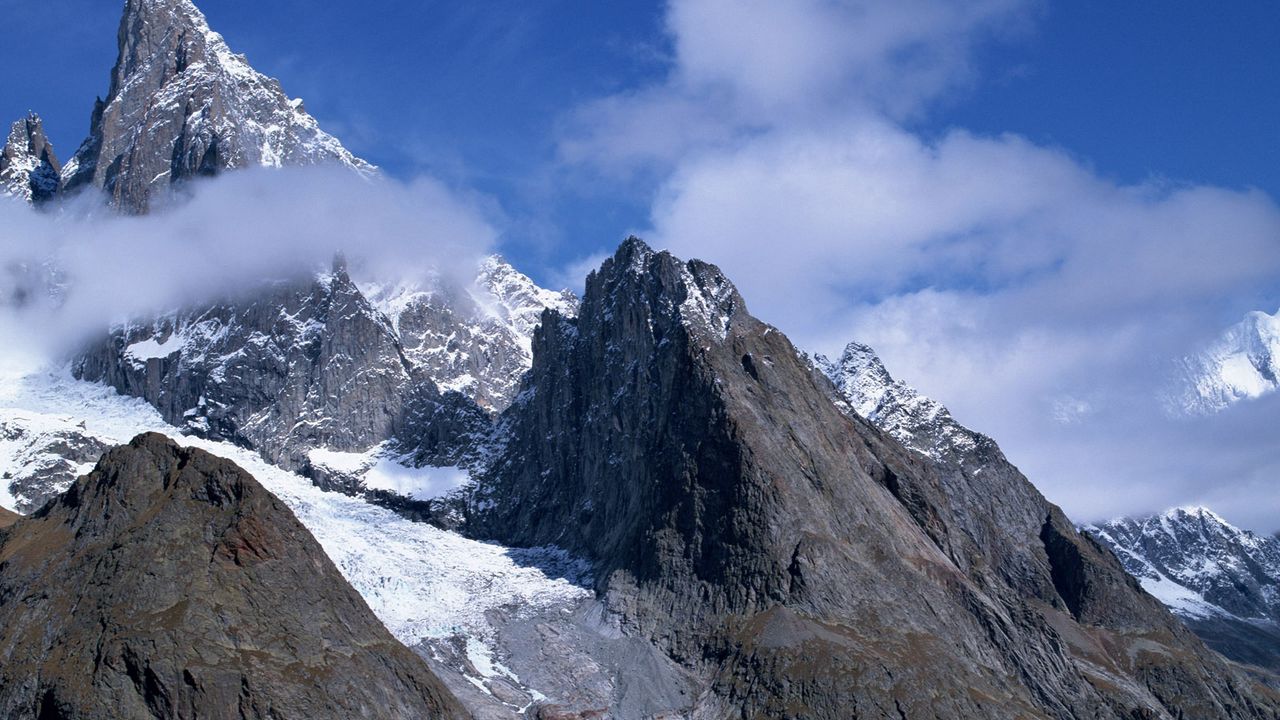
<point x="28" y="167"/>
<point x="181" y="105"/>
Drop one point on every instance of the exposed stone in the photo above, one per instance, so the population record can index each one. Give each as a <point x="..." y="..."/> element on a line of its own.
<point x="181" y="105"/>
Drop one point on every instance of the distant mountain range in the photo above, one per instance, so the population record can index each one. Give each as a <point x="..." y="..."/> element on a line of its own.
<point x="1223" y="581"/>
<point x="643" y="503"/>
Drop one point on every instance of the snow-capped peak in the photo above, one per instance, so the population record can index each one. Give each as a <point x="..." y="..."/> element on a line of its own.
<point x="918" y="422"/>
<point x="1199" y="564"/>
<point x="1244" y="363"/>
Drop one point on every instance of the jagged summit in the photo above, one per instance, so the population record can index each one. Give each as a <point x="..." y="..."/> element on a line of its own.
<point x="1244" y="363"/>
<point x="29" y="169"/>
<point x="182" y="105"/>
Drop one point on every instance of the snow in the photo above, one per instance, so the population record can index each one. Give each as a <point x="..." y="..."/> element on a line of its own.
<point x="1243" y="364"/>
<point x="151" y="349"/>
<point x="420" y="581"/>
<point x="380" y="471"/>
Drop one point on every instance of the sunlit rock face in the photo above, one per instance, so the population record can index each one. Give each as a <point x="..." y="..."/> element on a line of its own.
<point x="182" y="105"/>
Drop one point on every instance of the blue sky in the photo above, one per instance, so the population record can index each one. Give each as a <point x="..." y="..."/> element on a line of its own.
<point x="1030" y="208"/>
<point x="474" y="93"/>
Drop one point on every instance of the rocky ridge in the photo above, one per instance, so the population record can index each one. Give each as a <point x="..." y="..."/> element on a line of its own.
<point x="169" y="583"/>
<point x="181" y="105"/>
<point x="29" y="168"/>
<point x="1224" y="582"/>
<point x="320" y="363"/>
<point x="801" y="561"/>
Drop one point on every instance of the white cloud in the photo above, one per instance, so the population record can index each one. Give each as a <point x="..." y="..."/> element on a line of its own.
<point x="233" y="232"/>
<point x="1042" y="302"/>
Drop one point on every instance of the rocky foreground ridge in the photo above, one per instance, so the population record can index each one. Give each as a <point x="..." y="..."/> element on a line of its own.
<point x="169" y="583"/>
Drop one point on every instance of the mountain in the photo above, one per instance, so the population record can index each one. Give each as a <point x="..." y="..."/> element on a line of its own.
<point x="29" y="169"/>
<point x="798" y="560"/>
<point x="181" y="105"/>
<point x="1243" y="364"/>
<point x="169" y="583"/>
<point x="1222" y="581"/>
<point x="319" y="364"/>
<point x="8" y="518"/>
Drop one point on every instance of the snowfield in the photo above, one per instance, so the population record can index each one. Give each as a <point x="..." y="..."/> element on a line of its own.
<point x="423" y="583"/>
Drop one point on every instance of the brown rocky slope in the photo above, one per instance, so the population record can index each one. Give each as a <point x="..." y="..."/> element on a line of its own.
<point x="169" y="584"/>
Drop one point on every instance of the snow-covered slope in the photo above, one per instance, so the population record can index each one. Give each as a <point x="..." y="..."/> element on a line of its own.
<point x="1224" y="581"/>
<point x="182" y="105"/>
<point x="29" y="169"/>
<point x="1243" y="364"/>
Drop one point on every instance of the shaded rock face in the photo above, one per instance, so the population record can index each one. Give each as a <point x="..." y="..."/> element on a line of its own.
<point x="800" y="560"/>
<point x="1223" y="581"/>
<point x="169" y="584"/>
<point x="181" y="105"/>
<point x="306" y="364"/>
<point x="29" y="169"/>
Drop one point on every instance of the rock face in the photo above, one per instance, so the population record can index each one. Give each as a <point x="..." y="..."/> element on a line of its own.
<point x="170" y="584"/>
<point x="800" y="560"/>
<point x="1243" y="364"/>
<point x="29" y="169"/>
<point x="182" y="105"/>
<point x="320" y="363"/>
<point x="8" y="518"/>
<point x="307" y="364"/>
<point x="1222" y="581"/>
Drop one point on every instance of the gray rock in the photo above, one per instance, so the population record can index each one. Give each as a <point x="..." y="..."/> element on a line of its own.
<point x="181" y="105"/>
<point x="29" y="168"/>
<point x="308" y="363"/>
<point x="798" y="559"/>
<point x="170" y="584"/>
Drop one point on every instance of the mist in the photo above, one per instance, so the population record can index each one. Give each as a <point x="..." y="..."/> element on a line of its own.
<point x="71" y="272"/>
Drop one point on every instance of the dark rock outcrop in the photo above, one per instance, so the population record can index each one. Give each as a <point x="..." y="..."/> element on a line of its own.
<point x="29" y="169"/>
<point x="169" y="584"/>
<point x="806" y="564"/>
<point x="181" y="105"/>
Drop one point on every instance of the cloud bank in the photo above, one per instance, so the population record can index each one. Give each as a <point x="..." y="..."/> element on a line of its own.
<point x="1043" y="303"/>
<point x="231" y="234"/>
